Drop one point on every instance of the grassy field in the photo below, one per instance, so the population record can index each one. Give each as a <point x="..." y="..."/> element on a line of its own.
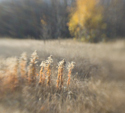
<point x="97" y="82"/>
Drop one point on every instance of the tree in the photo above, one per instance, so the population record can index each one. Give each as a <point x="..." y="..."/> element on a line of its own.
<point x="86" y="21"/>
<point x="114" y="17"/>
<point x="22" y="18"/>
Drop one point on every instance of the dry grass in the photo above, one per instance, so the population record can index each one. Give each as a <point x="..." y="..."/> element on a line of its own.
<point x="95" y="85"/>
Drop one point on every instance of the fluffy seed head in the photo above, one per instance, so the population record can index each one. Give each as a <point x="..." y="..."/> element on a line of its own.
<point x="71" y="66"/>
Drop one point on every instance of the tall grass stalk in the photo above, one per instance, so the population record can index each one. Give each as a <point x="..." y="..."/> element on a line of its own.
<point x="70" y="68"/>
<point x="42" y="73"/>
<point x="23" y="63"/>
<point x="32" y="67"/>
<point x="48" y="69"/>
<point x="61" y="65"/>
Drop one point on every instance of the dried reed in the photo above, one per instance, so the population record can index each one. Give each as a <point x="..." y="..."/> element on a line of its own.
<point x="61" y="65"/>
<point x="70" y="68"/>
<point x="23" y="63"/>
<point x="48" y="69"/>
<point x="32" y="67"/>
<point x="42" y="73"/>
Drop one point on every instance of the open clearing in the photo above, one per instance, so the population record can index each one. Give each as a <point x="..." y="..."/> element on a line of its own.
<point x="101" y="61"/>
<point x="109" y="58"/>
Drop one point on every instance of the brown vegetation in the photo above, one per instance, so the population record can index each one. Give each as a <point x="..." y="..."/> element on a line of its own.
<point x="94" y="85"/>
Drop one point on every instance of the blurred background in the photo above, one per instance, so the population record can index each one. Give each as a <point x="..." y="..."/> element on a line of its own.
<point x="86" y="20"/>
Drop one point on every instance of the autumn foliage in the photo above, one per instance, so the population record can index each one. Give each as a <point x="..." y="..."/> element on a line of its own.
<point x="86" y="20"/>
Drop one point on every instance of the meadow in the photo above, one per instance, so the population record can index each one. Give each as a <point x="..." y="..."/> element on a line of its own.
<point x="78" y="77"/>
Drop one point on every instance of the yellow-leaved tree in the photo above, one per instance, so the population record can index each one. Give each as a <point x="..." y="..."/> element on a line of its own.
<point x="86" y="21"/>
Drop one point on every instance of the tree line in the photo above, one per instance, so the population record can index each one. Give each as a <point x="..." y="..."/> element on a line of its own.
<point x="88" y="20"/>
